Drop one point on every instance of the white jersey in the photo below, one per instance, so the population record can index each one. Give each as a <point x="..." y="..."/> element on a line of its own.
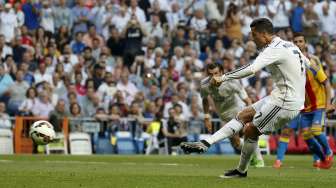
<point x="227" y="97"/>
<point x="286" y="65"/>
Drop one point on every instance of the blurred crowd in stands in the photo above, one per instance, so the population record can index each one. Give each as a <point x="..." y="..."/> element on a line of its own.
<point x="138" y="59"/>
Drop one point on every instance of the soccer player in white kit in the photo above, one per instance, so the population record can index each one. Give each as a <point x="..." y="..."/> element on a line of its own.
<point x="286" y="65"/>
<point x="228" y="99"/>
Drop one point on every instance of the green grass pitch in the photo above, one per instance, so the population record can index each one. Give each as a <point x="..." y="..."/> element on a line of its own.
<point x="155" y="171"/>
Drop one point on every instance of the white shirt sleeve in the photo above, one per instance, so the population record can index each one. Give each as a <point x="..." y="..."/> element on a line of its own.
<point x="265" y="58"/>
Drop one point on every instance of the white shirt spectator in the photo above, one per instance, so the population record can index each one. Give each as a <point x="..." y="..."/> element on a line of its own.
<point x="6" y="50"/>
<point x="327" y="16"/>
<point x="198" y="24"/>
<point x="120" y="21"/>
<point x="154" y="30"/>
<point x="281" y="11"/>
<point x="40" y="77"/>
<point x="20" y="18"/>
<point x="106" y="92"/>
<point x="164" y="4"/>
<point x="175" y="16"/>
<point x="8" y="25"/>
<point x="139" y="13"/>
<point x="212" y="11"/>
<point x="129" y="90"/>
<point x="42" y="109"/>
<point x="4" y="121"/>
<point x="47" y="19"/>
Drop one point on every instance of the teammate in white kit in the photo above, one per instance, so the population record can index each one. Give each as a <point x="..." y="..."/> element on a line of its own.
<point x="228" y="99"/>
<point x="286" y="65"/>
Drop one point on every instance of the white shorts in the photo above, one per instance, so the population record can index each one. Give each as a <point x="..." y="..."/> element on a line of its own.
<point x="269" y="117"/>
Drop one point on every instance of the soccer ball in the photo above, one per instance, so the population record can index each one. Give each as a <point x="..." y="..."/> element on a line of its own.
<point x="42" y="132"/>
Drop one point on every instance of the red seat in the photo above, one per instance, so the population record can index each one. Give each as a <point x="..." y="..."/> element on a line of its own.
<point x="301" y="144"/>
<point x="292" y="147"/>
<point x="332" y="143"/>
<point x="273" y="143"/>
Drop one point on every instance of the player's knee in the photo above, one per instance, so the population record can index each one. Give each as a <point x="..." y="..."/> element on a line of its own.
<point x="235" y="141"/>
<point x="251" y="132"/>
<point x="245" y="116"/>
<point x="307" y="134"/>
<point x="316" y="130"/>
<point x="285" y="134"/>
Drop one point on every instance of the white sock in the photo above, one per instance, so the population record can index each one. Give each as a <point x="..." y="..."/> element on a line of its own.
<point x="226" y="131"/>
<point x="249" y="147"/>
<point x="258" y="154"/>
<point x="241" y="143"/>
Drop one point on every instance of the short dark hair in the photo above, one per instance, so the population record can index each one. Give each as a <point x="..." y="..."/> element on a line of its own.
<point x="213" y="66"/>
<point x="298" y="34"/>
<point x="262" y="25"/>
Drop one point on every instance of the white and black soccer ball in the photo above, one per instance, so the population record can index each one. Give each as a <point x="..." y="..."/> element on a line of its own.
<point x="42" y="132"/>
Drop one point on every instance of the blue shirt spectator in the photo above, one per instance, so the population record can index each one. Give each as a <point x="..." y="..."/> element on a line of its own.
<point x="31" y="12"/>
<point x="5" y="81"/>
<point x="296" y="19"/>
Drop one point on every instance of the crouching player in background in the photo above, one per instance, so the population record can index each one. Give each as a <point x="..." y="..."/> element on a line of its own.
<point x="312" y="118"/>
<point x="226" y="98"/>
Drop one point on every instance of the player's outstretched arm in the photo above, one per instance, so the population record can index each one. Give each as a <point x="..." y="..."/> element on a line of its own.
<point x="264" y="59"/>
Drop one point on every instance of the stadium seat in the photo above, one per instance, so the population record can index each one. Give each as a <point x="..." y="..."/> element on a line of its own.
<point x="225" y="147"/>
<point x="140" y="145"/>
<point x="104" y="145"/>
<point x="59" y="146"/>
<point x="332" y="143"/>
<point x="273" y="143"/>
<point x="80" y="143"/>
<point x="6" y="141"/>
<point x="292" y="147"/>
<point x="301" y="144"/>
<point x="125" y="143"/>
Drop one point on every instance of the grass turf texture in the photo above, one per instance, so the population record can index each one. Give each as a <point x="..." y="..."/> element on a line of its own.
<point x="155" y="171"/>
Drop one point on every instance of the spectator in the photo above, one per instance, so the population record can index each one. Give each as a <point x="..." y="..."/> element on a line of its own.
<point x="310" y="23"/>
<point x="19" y="14"/>
<point x="5" y="83"/>
<point x="26" y="106"/>
<point x="175" y="100"/>
<point x="17" y="93"/>
<point x="43" y="105"/>
<point x="80" y="17"/>
<point x="41" y="74"/>
<point x="108" y="89"/>
<point x="198" y="22"/>
<point x="92" y="34"/>
<point x="154" y="28"/>
<point x="4" y="117"/>
<point x="136" y="11"/>
<point x="8" y="23"/>
<point x="232" y="23"/>
<point x="47" y="17"/>
<point x="75" y="123"/>
<point x="62" y="15"/>
<point x="127" y="88"/>
<point x="31" y="14"/>
<point x="133" y="34"/>
<point x="57" y="115"/>
<point x="280" y="12"/>
<point x="296" y="18"/>
<point x="172" y="132"/>
<point x="4" y="48"/>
